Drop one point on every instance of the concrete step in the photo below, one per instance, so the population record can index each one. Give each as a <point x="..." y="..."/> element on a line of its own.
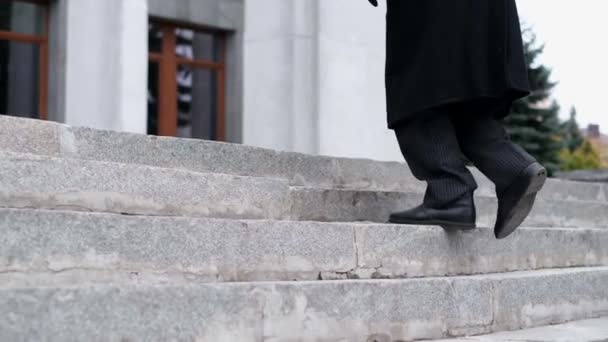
<point x="34" y="181"/>
<point x="216" y="250"/>
<point x="52" y="139"/>
<point x="55" y="307"/>
<point x="30" y="181"/>
<point x="591" y="330"/>
<point x="314" y="204"/>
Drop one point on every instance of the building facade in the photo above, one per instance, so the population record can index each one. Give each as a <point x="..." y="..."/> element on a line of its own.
<point x="298" y="75"/>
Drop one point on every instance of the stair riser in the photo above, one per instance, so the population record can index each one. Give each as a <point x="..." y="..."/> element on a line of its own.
<point x="46" y="138"/>
<point x="52" y="139"/>
<point x="347" y="206"/>
<point x="68" y="276"/>
<point x="395" y="252"/>
<point x="591" y="330"/>
<point x="228" y="250"/>
<point x="51" y="183"/>
<point x="29" y="182"/>
<point x="319" y="311"/>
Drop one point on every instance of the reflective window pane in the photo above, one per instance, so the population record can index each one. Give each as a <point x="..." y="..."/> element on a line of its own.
<point x="19" y="78"/>
<point x="197" y="45"/>
<point x="197" y="103"/>
<point x="194" y="86"/>
<point x="155" y="38"/>
<point x="21" y="17"/>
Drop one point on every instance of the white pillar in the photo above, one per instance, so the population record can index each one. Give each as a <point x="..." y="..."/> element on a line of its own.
<point x="280" y="102"/>
<point x="352" y="106"/>
<point x="134" y="66"/>
<point x="106" y="64"/>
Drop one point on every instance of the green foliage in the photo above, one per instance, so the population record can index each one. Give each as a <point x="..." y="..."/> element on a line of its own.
<point x="586" y="157"/>
<point x="534" y="122"/>
<point x="571" y="133"/>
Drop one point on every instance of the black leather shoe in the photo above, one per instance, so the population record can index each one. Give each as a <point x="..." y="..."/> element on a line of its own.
<point x="516" y="202"/>
<point x="459" y="215"/>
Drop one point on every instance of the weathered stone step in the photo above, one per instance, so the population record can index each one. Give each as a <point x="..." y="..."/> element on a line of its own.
<point x="52" y="139"/>
<point x="591" y="330"/>
<point x="34" y="181"/>
<point x="313" y="204"/>
<point x="60" y="309"/>
<point x="30" y="181"/>
<point x="216" y="250"/>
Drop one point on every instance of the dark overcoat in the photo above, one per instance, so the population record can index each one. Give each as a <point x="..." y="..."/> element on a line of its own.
<point x="448" y="51"/>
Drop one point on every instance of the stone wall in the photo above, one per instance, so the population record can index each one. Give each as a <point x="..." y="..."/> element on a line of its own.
<point x="595" y="176"/>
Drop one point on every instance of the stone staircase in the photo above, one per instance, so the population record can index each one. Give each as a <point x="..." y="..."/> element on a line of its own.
<point x="123" y="237"/>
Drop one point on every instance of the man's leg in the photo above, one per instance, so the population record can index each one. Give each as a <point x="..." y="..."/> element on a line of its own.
<point x="516" y="174"/>
<point x="485" y="142"/>
<point x="430" y="147"/>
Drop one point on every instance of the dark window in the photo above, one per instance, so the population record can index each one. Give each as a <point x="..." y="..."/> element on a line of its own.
<point x="23" y="58"/>
<point x="186" y="82"/>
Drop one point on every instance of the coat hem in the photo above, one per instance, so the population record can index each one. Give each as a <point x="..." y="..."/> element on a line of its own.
<point x="510" y="94"/>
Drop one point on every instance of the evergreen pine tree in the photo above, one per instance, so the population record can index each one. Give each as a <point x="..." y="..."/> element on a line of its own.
<point x="571" y="133"/>
<point x="534" y="123"/>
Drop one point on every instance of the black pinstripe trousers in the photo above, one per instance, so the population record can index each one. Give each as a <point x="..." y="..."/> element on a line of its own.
<point x="437" y="143"/>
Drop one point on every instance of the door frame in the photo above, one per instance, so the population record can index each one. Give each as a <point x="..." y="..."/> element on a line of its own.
<point x="168" y="63"/>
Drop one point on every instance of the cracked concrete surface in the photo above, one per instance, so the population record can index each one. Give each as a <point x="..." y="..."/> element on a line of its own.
<point x="245" y="250"/>
<point x="53" y="139"/>
<point x="590" y="330"/>
<point x="245" y="275"/>
<point x="403" y="310"/>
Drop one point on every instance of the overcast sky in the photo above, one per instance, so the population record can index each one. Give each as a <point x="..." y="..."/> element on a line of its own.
<point x="575" y="33"/>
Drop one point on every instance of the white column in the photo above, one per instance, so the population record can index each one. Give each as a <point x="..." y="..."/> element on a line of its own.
<point x="133" y="109"/>
<point x="305" y="120"/>
<point x="280" y="66"/>
<point x="352" y="106"/>
<point x="106" y="64"/>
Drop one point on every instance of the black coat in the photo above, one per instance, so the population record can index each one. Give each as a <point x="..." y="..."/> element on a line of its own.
<point x="449" y="51"/>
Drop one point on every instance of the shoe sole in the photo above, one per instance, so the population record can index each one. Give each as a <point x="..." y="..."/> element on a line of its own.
<point x="447" y="225"/>
<point x="524" y="190"/>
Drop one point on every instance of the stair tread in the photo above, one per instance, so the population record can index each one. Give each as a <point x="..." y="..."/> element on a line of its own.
<point x="590" y="330"/>
<point x="389" y="192"/>
<point x="49" y="138"/>
<point x="77" y="212"/>
<point x="281" y="255"/>
<point x="314" y="204"/>
<point x="239" y="250"/>
<point x="70" y="279"/>
<point x="334" y="310"/>
<point x="31" y="181"/>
